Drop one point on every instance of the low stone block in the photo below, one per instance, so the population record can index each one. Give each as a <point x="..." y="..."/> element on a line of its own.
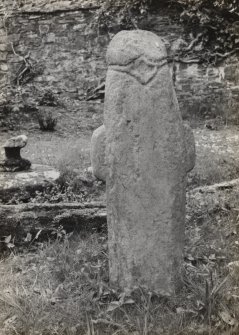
<point x="26" y="182"/>
<point x="13" y="161"/>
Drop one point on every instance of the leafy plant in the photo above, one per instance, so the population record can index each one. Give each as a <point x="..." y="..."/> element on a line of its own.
<point x="49" y="99"/>
<point x="47" y="121"/>
<point x="217" y="23"/>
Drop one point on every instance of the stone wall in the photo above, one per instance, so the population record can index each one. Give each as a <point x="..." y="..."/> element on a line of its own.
<point x="4" y="74"/>
<point x="66" y="55"/>
<point x="30" y="6"/>
<point x="60" y="51"/>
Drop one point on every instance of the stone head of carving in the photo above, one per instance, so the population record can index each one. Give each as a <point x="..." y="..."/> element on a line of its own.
<point x="139" y="53"/>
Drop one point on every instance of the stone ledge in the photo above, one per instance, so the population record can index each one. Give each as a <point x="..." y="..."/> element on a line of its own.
<point x="19" y="220"/>
<point x="37" y="178"/>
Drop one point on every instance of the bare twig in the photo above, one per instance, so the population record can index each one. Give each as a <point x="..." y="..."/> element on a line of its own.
<point x="27" y="62"/>
<point x="132" y="20"/>
<point x="193" y="42"/>
<point x="183" y="60"/>
<point x="20" y="56"/>
<point x="226" y="54"/>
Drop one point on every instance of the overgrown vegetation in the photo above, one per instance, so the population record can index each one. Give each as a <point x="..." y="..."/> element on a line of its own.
<point x="217" y="27"/>
<point x="211" y="24"/>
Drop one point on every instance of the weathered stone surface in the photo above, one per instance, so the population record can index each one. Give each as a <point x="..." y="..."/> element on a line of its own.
<point x="14" y="183"/>
<point x="146" y="157"/>
<point x="13" y="161"/>
<point x="47" y="6"/>
<point x="16" y="142"/>
<point x="97" y="153"/>
<point x="98" y="160"/>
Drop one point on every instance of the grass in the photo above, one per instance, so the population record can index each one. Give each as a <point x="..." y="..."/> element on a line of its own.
<point x="63" y="287"/>
<point x="213" y="167"/>
<point x="217" y="157"/>
<point x="52" y="289"/>
<point x="58" y="151"/>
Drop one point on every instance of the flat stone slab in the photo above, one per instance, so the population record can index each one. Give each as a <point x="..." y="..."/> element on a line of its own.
<point x="38" y="177"/>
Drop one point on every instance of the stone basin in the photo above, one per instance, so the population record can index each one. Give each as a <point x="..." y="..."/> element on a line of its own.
<point x="36" y="178"/>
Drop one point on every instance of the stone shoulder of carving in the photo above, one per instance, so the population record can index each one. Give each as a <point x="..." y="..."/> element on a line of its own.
<point x="128" y="46"/>
<point x="189" y="147"/>
<point x="97" y="153"/>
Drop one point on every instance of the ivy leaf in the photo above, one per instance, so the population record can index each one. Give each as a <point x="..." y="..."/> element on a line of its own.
<point x="10" y="245"/>
<point x="38" y="233"/>
<point x="113" y="305"/>
<point x="8" y="239"/>
<point x="28" y="238"/>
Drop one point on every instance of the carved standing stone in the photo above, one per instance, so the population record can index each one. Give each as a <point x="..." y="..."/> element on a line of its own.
<point x="147" y="159"/>
<point x="13" y="161"/>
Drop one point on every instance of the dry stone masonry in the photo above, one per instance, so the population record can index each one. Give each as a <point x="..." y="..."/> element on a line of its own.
<point x="68" y="58"/>
<point x="148" y="153"/>
<point x="3" y="64"/>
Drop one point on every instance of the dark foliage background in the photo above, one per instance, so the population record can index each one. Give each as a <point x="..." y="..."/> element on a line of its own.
<point x="212" y="25"/>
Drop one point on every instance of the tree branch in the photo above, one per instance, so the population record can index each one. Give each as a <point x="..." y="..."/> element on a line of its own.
<point x="226" y="54"/>
<point x="193" y="42"/>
